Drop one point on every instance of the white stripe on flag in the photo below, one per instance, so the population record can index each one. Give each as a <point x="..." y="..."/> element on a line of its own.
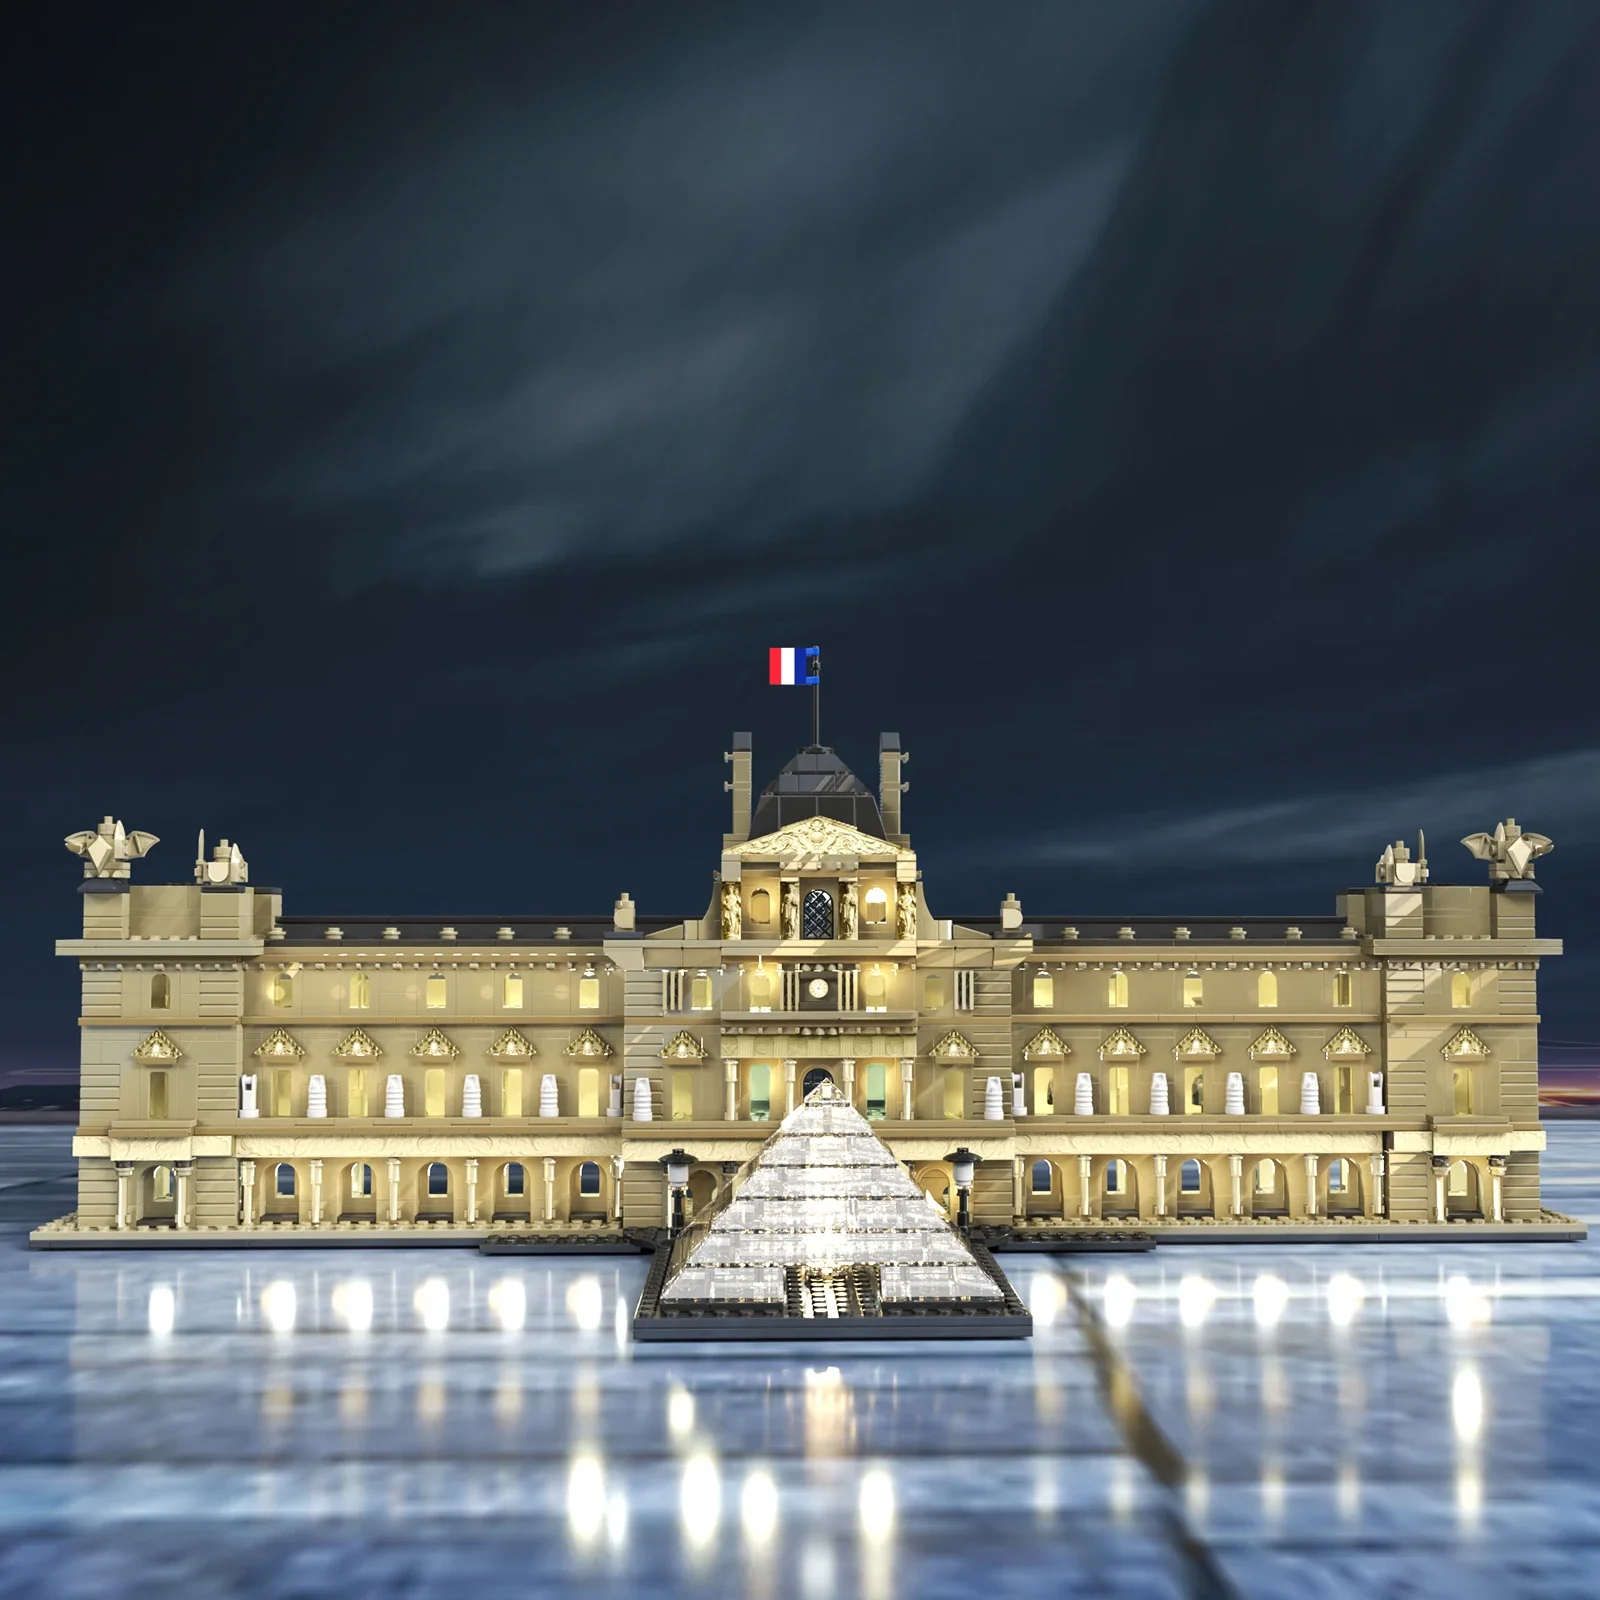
<point x="789" y="653"/>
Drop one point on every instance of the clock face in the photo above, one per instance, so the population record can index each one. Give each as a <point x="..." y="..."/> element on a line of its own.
<point x="817" y="988"/>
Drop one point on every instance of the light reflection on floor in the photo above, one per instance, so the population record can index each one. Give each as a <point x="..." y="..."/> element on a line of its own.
<point x="1350" y="1420"/>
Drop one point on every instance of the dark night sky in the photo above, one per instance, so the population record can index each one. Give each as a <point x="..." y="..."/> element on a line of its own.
<point x="1178" y="420"/>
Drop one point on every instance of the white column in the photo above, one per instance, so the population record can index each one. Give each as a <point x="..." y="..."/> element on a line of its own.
<point x="1375" y="1166"/>
<point x="1017" y="1197"/>
<point x="1441" y="1170"/>
<point x="472" y="1189"/>
<point x="316" y="1194"/>
<point x="124" y="1174"/>
<point x="182" y="1170"/>
<point x="788" y="1085"/>
<point x="847" y="1065"/>
<point x="1083" y="1185"/>
<point x="1161" y="1186"/>
<point x="617" y="1164"/>
<point x="394" y="1189"/>
<point x="549" y="1188"/>
<point x="908" y="1068"/>
<point x="1311" y="1185"/>
<point x="730" y="1079"/>
<point x="1235" y="1177"/>
<point x="1497" y="1172"/>
<point x="247" y="1193"/>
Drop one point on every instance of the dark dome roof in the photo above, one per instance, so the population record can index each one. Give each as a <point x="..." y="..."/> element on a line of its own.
<point x="816" y="783"/>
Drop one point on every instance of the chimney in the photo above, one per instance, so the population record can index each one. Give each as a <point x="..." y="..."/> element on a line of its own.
<point x="890" y="760"/>
<point x="739" y="788"/>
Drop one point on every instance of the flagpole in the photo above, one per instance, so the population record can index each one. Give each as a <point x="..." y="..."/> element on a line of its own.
<point x="816" y="713"/>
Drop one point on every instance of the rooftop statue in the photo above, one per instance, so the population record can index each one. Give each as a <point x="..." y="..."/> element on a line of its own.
<point x="227" y="864"/>
<point x="108" y="849"/>
<point x="1396" y="867"/>
<point x="1509" y="851"/>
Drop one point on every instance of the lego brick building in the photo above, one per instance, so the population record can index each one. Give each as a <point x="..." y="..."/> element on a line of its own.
<point x="245" y="1070"/>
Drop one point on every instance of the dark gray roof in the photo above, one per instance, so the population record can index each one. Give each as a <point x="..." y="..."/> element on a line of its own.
<point x="476" y="931"/>
<point x="1162" y="930"/>
<point x="816" y="783"/>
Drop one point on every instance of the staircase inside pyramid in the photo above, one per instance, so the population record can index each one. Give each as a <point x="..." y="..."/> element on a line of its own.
<point x="824" y="1222"/>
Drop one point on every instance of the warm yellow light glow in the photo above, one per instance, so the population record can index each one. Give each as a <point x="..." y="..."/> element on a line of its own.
<point x="585" y="1303"/>
<point x="1270" y="1295"/>
<point x="1469" y="1494"/>
<point x="162" y="1311"/>
<point x="278" y="1305"/>
<point x="586" y="1499"/>
<point x="432" y="1303"/>
<point x="758" y="1507"/>
<point x="1120" y="1299"/>
<point x="1196" y="1297"/>
<point x="1349" y="1491"/>
<point x="1122" y="1490"/>
<point x="1345" y="1295"/>
<point x="1046" y="1298"/>
<point x="1466" y="1305"/>
<point x="680" y="1412"/>
<point x="431" y="1399"/>
<point x="1272" y="1491"/>
<point x="352" y="1304"/>
<point x="436" y="991"/>
<point x="1466" y="1404"/>
<point x="876" y="1505"/>
<point x="508" y="1301"/>
<point x="700" y="1500"/>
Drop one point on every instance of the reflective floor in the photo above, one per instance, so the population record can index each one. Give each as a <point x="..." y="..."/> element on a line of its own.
<point x="1343" y="1420"/>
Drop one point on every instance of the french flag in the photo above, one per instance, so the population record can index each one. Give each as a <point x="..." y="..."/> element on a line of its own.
<point x="794" y="664"/>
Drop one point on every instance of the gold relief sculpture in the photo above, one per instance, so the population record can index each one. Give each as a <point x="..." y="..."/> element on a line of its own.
<point x="588" y="1045"/>
<point x="278" y="1046"/>
<point x="806" y="843"/>
<point x="1044" y="1043"/>
<point x="357" y="1045"/>
<point x="157" y="1049"/>
<point x="954" y="1047"/>
<point x="1121" y="1046"/>
<point x="511" y="1046"/>
<point x="1346" y="1043"/>
<point x="1196" y="1045"/>
<point x="1465" y="1046"/>
<point x="1272" y="1046"/>
<point x="683" y="1047"/>
<point x="434" y="1046"/>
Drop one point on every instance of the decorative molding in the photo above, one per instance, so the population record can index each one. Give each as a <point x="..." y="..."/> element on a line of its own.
<point x="1272" y="1046"/>
<point x="357" y="1046"/>
<point x="1346" y="1045"/>
<point x="511" y="1046"/>
<point x="278" y="1046"/>
<point x="684" y="1046"/>
<point x="813" y="837"/>
<point x="157" y="1051"/>
<point x="1046" y="1042"/>
<point x="433" y="1046"/>
<point x="1196" y="1045"/>
<point x="588" y="1045"/>
<point x="1466" y="1046"/>
<point x="1120" y="1046"/>
<point x="953" y="1047"/>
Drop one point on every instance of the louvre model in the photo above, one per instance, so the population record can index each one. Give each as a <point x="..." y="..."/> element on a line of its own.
<point x="822" y="1234"/>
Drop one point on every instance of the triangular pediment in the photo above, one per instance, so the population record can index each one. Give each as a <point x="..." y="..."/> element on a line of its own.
<point x="512" y="1046"/>
<point x="1196" y="1045"/>
<point x="683" y="1046"/>
<point x="156" y="1050"/>
<point x="1271" y="1046"/>
<point x="587" y="1045"/>
<point x="434" y="1046"/>
<point x="954" y="1047"/>
<point x="1346" y="1043"/>
<point x="1120" y="1046"/>
<point x="278" y="1046"/>
<point x="358" y="1045"/>
<point x="814" y="838"/>
<point x="1466" y="1046"/>
<point x="1046" y="1042"/>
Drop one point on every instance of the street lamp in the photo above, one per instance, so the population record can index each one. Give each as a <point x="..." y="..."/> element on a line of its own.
<point x="677" y="1165"/>
<point x="962" y="1163"/>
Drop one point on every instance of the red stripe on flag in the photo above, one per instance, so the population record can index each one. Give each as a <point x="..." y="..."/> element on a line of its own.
<point x="775" y="665"/>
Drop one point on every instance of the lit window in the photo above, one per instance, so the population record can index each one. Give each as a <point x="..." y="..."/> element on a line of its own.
<point x="1345" y="1091"/>
<point x="761" y="906"/>
<point x="1044" y="1091"/>
<point x="515" y="1178"/>
<point x="1461" y="1084"/>
<point x="285" y="1179"/>
<point x="1267" y="1082"/>
<point x="1044" y="991"/>
<point x="511" y="997"/>
<point x="683" y="1097"/>
<point x="1193" y="992"/>
<point x="1266" y="1177"/>
<point x="816" y="915"/>
<point x="360" y="991"/>
<point x="761" y="990"/>
<point x="875" y="907"/>
<point x="877" y="1091"/>
<point x="1040" y="1179"/>
<point x="436" y="994"/>
<point x="281" y="1086"/>
<point x="283" y="989"/>
<point x="1267" y="989"/>
<point x="158" y="1097"/>
<point x="1341" y="988"/>
<point x="1116" y="1177"/>
<point x="933" y="992"/>
<point x="1189" y="1178"/>
<point x="1458" y="1186"/>
<point x="356" y="1093"/>
<point x="760" y="1092"/>
<point x="700" y="993"/>
<point x="589" y="1178"/>
<point x="874" y="990"/>
<point x="1194" y="1088"/>
<point x="1117" y="990"/>
<point x="1117" y="1092"/>
<point x="1336" y="1177"/>
<point x="955" y="1092"/>
<point x="1460" y="990"/>
<point x="588" y="1091"/>
<point x="160" y="992"/>
<point x="360" y="1178"/>
<point x="433" y="1092"/>
<point x="438" y="1178"/>
<point x="511" y="1092"/>
<point x="588" y="991"/>
<point x="161" y="1183"/>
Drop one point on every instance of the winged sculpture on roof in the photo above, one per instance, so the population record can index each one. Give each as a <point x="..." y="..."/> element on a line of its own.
<point x="108" y="849"/>
<point x="1509" y="851"/>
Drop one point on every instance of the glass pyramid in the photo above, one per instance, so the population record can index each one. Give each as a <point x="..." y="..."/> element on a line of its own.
<point x="824" y="1195"/>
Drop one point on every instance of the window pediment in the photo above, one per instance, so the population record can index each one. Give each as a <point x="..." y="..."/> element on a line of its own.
<point x="357" y="1045"/>
<point x="1465" y="1046"/>
<point x="1196" y="1045"/>
<point x="434" y="1046"/>
<point x="954" y="1047"/>
<point x="279" y="1046"/>
<point x="156" y="1050"/>
<point x="1045" y="1043"/>
<point x="1346" y="1044"/>
<point x="512" y="1046"/>
<point x="1120" y="1046"/>
<point x="1272" y="1046"/>
<point x="683" y="1046"/>
<point x="588" y="1045"/>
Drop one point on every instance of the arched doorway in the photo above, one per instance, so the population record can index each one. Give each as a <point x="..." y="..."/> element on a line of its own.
<point x="1044" y="1189"/>
<point x="1461" y="1191"/>
<point x="1119" y="1189"/>
<point x="359" y="1202"/>
<point x="935" y="1180"/>
<point x="511" y="1193"/>
<point x="702" y="1191"/>
<point x="1344" y="1187"/>
<point x="1194" y="1188"/>
<point x="1269" y="1189"/>
<point x="815" y="1076"/>
<point x="433" y="1193"/>
<point x="159" y="1203"/>
<point x="588" y="1197"/>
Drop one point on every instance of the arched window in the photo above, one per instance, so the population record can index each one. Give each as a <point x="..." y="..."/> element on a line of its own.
<point x="816" y="915"/>
<point x="761" y="906"/>
<point x="1266" y="1177"/>
<point x="874" y="990"/>
<point x="1194" y="991"/>
<point x="1267" y="989"/>
<point x="438" y="1178"/>
<point x="161" y="1183"/>
<point x="511" y="995"/>
<point x="1337" y="1178"/>
<point x="1116" y="1177"/>
<point x="877" y="1091"/>
<point x="1117" y="989"/>
<point x="360" y="1178"/>
<point x="875" y="906"/>
<point x="1040" y="1178"/>
<point x="589" y="1178"/>
<point x="436" y="991"/>
<point x="283" y="989"/>
<point x="589" y="990"/>
<point x="815" y="1076"/>
<point x="1458" y="1185"/>
<point x="760" y="1092"/>
<point x="516" y="1179"/>
<point x="1196" y="1080"/>
<point x="1341" y="988"/>
<point x="1189" y="1177"/>
<point x="1044" y="991"/>
<point x="360" y="991"/>
<point x="1460" y="990"/>
<point x="160" y="992"/>
<point x="284" y="1182"/>
<point x="761" y="990"/>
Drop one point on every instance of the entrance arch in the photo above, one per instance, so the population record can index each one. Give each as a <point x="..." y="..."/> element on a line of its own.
<point x="815" y="1076"/>
<point x="936" y="1180"/>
